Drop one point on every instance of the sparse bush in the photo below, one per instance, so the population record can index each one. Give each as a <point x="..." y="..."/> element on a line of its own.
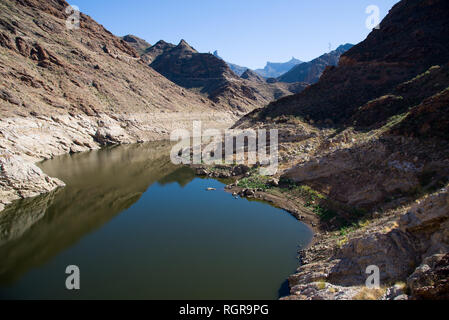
<point x="255" y="182"/>
<point x="321" y="285"/>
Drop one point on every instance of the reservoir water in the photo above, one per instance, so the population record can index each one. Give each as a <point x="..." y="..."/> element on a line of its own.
<point x="139" y="227"/>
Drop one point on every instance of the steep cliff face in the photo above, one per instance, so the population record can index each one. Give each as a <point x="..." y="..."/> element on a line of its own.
<point x="411" y="39"/>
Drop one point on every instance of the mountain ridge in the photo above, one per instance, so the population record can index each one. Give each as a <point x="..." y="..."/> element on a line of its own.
<point x="140" y="45"/>
<point x="213" y="77"/>
<point x="238" y="70"/>
<point x="311" y="72"/>
<point x="384" y="59"/>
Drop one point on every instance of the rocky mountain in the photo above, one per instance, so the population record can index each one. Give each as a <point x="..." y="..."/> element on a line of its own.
<point x="65" y="91"/>
<point x="188" y="68"/>
<point x="252" y="76"/>
<point x="276" y="69"/>
<point x="271" y="70"/>
<point x="366" y="150"/>
<point x="271" y="86"/>
<point x="238" y="70"/>
<point x="137" y="43"/>
<point x="211" y="76"/>
<point x="151" y="53"/>
<point x="405" y="46"/>
<point x="311" y="72"/>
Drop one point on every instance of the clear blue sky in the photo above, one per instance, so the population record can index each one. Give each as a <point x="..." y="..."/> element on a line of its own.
<point x="245" y="32"/>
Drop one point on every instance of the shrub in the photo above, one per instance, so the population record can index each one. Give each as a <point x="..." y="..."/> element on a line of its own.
<point x="321" y="285"/>
<point x="255" y="182"/>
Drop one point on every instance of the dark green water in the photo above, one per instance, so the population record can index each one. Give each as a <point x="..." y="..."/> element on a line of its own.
<point x="139" y="227"/>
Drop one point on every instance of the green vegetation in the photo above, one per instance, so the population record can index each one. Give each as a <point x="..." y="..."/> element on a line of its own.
<point x="311" y="194"/>
<point x="343" y="241"/>
<point x="324" y="213"/>
<point x="383" y="98"/>
<point x="287" y="183"/>
<point x="255" y="182"/>
<point x="314" y="200"/>
<point x="321" y="285"/>
<point x="395" y="120"/>
<point x="318" y="203"/>
<point x="290" y="119"/>
<point x="422" y="75"/>
<point x="346" y="230"/>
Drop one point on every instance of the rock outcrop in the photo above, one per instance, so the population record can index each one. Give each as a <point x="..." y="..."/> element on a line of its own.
<point x="372" y="172"/>
<point x="137" y="43"/>
<point x="411" y="249"/>
<point x="431" y="280"/>
<point x="20" y="179"/>
<point x="252" y="76"/>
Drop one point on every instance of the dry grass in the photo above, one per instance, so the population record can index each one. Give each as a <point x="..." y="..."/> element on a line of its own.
<point x="370" y="294"/>
<point x="391" y="227"/>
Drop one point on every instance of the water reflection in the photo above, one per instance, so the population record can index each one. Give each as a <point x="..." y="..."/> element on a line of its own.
<point x="140" y="227"/>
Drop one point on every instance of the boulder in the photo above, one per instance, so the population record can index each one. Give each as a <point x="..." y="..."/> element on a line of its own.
<point x="241" y="169"/>
<point x="430" y="281"/>
<point x="22" y="179"/>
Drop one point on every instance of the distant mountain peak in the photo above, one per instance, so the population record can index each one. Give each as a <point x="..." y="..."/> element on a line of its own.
<point x="137" y="43"/>
<point x="184" y="43"/>
<point x="251" y="75"/>
<point x="310" y="72"/>
<point x="276" y="69"/>
<point x="132" y="38"/>
<point x="161" y="43"/>
<point x="345" y="47"/>
<point x="238" y="70"/>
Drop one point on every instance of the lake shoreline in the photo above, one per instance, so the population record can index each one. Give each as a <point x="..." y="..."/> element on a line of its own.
<point x="320" y="275"/>
<point x="122" y="197"/>
<point x="329" y="264"/>
<point x="25" y="141"/>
